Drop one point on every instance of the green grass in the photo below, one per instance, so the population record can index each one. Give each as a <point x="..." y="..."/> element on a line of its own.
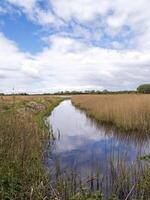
<point x="23" y="175"/>
<point x="22" y="135"/>
<point x="40" y="116"/>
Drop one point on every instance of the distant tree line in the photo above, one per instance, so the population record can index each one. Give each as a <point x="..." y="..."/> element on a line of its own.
<point x="145" y="88"/>
<point x="92" y="92"/>
<point x="16" y="94"/>
<point x="72" y="93"/>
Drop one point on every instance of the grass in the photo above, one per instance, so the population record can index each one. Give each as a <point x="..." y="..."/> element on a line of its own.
<point x="128" y="112"/>
<point x="22" y="135"/>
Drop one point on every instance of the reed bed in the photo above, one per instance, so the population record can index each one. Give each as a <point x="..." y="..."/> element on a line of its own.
<point x="22" y="138"/>
<point x="129" y="112"/>
<point x="129" y="116"/>
<point x="24" y="141"/>
<point x="119" y="182"/>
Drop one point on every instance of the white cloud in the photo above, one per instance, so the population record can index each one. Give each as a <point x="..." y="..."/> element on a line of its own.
<point x="111" y="17"/>
<point x="44" y="17"/>
<point x="80" y="9"/>
<point x="9" y="54"/>
<point x="59" y="68"/>
<point x="114" y="16"/>
<point x="67" y="63"/>
<point x="27" y="5"/>
<point x="33" y="11"/>
<point x="12" y="60"/>
<point x="2" y="10"/>
<point x="30" y="68"/>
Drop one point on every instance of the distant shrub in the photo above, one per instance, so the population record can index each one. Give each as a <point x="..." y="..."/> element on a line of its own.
<point x="145" y="88"/>
<point x="22" y="94"/>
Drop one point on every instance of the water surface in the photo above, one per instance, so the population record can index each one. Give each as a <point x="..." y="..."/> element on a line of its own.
<point x="85" y="146"/>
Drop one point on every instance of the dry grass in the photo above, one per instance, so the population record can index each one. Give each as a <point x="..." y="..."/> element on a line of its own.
<point x="22" y="173"/>
<point x="131" y="114"/>
<point x="22" y="135"/>
<point x="28" y="97"/>
<point x="126" y="111"/>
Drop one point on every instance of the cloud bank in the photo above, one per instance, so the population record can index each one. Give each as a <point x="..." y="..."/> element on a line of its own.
<point x="89" y="44"/>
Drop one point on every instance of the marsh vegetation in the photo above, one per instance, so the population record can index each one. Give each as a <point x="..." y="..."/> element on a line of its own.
<point x="95" y="157"/>
<point x="22" y="135"/>
<point x="82" y="156"/>
<point x="128" y="112"/>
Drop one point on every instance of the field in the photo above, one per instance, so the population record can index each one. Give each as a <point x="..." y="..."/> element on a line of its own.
<point x="128" y="112"/>
<point x="22" y="136"/>
<point x="24" y="146"/>
<point x="128" y="115"/>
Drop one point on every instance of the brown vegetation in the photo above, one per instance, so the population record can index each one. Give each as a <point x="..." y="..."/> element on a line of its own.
<point x="22" y="136"/>
<point x="126" y="111"/>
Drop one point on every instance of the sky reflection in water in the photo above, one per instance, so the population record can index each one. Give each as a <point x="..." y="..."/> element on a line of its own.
<point x="82" y="144"/>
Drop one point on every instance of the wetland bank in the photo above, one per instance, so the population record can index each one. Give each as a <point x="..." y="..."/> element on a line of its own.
<point x="90" y="151"/>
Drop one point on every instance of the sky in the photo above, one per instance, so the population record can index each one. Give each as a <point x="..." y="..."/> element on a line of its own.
<point x="54" y="45"/>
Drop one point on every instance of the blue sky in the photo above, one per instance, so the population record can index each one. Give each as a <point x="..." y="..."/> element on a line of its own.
<point x="22" y="31"/>
<point x="52" y="45"/>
